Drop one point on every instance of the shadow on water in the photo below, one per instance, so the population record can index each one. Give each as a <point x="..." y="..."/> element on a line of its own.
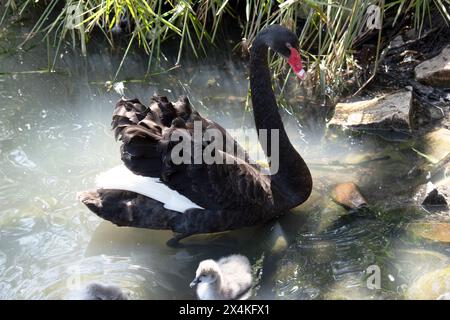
<point x="55" y="138"/>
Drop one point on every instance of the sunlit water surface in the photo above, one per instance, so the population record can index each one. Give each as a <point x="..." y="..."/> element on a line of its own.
<point x="55" y="138"/>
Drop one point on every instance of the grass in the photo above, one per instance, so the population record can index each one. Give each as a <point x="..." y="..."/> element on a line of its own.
<point x="421" y="9"/>
<point x="331" y="29"/>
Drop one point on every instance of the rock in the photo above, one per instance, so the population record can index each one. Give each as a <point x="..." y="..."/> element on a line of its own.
<point x="348" y="195"/>
<point x="437" y="195"/>
<point x="396" y="42"/>
<point x="388" y="111"/>
<point x="417" y="262"/>
<point x="431" y="286"/>
<point x="358" y="158"/>
<point x="350" y="287"/>
<point x="211" y="82"/>
<point x="434" y="198"/>
<point x="421" y="259"/>
<point x="435" y="145"/>
<point x="411" y="34"/>
<point x="328" y="214"/>
<point x="278" y="240"/>
<point x="435" y="71"/>
<point x="434" y="231"/>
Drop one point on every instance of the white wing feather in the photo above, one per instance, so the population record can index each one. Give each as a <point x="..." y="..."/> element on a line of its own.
<point x="121" y="178"/>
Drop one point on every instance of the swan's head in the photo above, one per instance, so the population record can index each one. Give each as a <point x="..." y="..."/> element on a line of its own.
<point x="208" y="272"/>
<point x="285" y="42"/>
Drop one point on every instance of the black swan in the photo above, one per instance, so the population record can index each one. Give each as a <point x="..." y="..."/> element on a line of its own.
<point x="151" y="191"/>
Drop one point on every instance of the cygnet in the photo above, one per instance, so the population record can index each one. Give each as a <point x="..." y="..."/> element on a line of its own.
<point x="97" y="291"/>
<point x="230" y="278"/>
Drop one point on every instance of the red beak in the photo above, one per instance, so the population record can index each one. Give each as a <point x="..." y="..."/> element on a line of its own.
<point x="295" y="61"/>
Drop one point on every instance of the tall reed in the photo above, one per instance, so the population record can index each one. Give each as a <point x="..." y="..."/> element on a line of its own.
<point x="330" y="28"/>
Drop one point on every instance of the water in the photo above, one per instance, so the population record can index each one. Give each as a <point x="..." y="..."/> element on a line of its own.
<point x="55" y="138"/>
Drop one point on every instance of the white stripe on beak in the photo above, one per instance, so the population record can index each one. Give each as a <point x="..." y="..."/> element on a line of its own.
<point x="301" y="74"/>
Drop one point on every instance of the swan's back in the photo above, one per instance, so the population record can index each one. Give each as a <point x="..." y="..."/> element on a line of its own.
<point x="149" y="135"/>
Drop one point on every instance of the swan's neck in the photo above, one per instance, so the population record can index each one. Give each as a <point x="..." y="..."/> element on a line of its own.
<point x="293" y="179"/>
<point x="265" y="108"/>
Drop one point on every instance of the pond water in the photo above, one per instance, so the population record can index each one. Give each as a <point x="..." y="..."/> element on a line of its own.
<point x="55" y="138"/>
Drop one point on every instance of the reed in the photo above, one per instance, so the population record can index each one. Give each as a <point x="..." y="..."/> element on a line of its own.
<point x="331" y="29"/>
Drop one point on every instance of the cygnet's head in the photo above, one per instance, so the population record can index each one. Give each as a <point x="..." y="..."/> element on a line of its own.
<point x="208" y="272"/>
<point x="99" y="291"/>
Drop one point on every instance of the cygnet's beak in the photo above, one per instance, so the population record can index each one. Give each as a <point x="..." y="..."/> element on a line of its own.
<point x="194" y="282"/>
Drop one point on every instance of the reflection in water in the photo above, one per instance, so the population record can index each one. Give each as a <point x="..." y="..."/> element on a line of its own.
<point x="55" y="138"/>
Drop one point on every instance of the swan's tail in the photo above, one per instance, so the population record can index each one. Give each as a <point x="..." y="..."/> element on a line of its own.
<point x="129" y="209"/>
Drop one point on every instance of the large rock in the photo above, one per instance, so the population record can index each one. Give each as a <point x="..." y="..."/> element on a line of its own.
<point x="431" y="230"/>
<point x="387" y="111"/>
<point x="435" y="71"/>
<point x="431" y="286"/>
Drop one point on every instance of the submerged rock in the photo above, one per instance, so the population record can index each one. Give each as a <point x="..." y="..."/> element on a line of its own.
<point x="435" y="145"/>
<point x="434" y="231"/>
<point x="329" y="214"/>
<point x="352" y="287"/>
<point x="385" y="112"/>
<point x="416" y="262"/>
<point x="431" y="286"/>
<point x="278" y="240"/>
<point x="435" y="71"/>
<point x="348" y="195"/>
